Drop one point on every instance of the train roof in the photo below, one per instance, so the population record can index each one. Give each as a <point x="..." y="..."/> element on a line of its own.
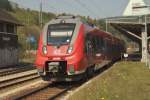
<point x="79" y="20"/>
<point x="69" y="19"/>
<point x="65" y="19"/>
<point x="106" y="34"/>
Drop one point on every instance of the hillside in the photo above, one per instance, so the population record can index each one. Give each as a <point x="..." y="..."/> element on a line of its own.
<point x="31" y="29"/>
<point x="30" y="20"/>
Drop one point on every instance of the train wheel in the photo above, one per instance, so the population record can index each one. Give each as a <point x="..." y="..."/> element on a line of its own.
<point x="90" y="71"/>
<point x="85" y="77"/>
<point x="45" y="78"/>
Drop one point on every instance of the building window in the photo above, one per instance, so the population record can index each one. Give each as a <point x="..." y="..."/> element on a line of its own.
<point x="10" y="28"/>
<point x="1" y="27"/>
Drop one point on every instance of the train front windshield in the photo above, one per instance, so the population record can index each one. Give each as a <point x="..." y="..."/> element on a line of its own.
<point x="59" y="34"/>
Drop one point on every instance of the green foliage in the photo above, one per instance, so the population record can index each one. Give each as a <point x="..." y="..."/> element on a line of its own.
<point x="5" y="4"/>
<point x="101" y="24"/>
<point x="31" y="17"/>
<point x="31" y="27"/>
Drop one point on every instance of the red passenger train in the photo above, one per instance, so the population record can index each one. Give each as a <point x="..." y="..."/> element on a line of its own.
<point x="69" y="49"/>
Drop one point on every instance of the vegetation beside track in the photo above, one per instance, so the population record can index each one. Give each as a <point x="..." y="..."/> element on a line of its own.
<point x="124" y="81"/>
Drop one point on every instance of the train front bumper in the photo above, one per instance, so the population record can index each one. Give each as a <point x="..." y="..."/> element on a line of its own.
<point x="61" y="72"/>
<point x="56" y="77"/>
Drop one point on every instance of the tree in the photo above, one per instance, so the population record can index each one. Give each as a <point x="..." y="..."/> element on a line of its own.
<point x="5" y="4"/>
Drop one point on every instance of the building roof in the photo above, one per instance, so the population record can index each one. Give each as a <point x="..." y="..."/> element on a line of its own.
<point x="133" y="24"/>
<point x="136" y="7"/>
<point x="6" y="17"/>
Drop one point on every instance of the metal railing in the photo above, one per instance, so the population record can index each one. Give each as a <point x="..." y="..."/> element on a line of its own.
<point x="8" y="33"/>
<point x="148" y="60"/>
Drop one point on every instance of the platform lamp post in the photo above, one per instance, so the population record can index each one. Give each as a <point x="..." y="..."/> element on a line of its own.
<point x="146" y="35"/>
<point x="147" y="54"/>
<point x="106" y="21"/>
<point x="41" y="14"/>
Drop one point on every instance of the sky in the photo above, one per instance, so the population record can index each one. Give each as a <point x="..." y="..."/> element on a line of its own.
<point x="93" y="8"/>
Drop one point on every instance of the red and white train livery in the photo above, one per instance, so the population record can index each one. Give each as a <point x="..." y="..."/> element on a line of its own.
<point x="70" y="49"/>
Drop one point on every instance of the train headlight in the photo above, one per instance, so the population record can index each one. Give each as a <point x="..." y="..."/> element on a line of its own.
<point x="70" y="49"/>
<point x="44" y="50"/>
<point x="71" y="69"/>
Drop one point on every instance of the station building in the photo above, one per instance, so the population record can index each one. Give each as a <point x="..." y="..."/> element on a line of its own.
<point x="8" y="39"/>
<point x="135" y="23"/>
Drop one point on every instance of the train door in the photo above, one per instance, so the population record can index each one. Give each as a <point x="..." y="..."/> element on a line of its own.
<point x="89" y="48"/>
<point x="100" y="52"/>
<point x="94" y="45"/>
<point x="101" y="47"/>
<point x="106" y="50"/>
<point x="97" y="48"/>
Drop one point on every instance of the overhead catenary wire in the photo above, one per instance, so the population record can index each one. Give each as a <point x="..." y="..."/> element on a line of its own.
<point x="66" y="3"/>
<point x="86" y="8"/>
<point x="75" y="6"/>
<point x="98" y="9"/>
<point x="83" y="5"/>
<point x="55" y="10"/>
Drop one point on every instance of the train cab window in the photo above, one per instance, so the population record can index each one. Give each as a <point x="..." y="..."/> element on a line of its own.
<point x="60" y="33"/>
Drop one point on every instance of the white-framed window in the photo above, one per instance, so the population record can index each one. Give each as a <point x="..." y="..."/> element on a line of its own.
<point x="1" y="27"/>
<point x="10" y="28"/>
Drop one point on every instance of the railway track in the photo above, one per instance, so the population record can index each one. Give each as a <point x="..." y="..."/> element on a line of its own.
<point x="16" y="69"/>
<point x="53" y="91"/>
<point x="48" y="92"/>
<point x="17" y="80"/>
<point x="42" y="90"/>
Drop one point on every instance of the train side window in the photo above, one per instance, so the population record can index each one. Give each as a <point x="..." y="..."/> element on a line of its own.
<point x="98" y="44"/>
<point x="101" y="44"/>
<point x="105" y="50"/>
<point x="88" y="44"/>
<point x="94" y="44"/>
